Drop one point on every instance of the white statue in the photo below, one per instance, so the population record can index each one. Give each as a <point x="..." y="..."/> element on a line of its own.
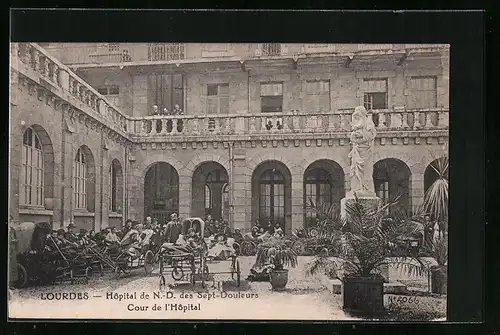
<point x="362" y="139"/>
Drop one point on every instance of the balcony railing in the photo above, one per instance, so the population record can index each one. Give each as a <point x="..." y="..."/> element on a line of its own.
<point x="285" y="123"/>
<point x="271" y="49"/>
<point x="153" y="52"/>
<point x="36" y="63"/>
<point x="165" y="51"/>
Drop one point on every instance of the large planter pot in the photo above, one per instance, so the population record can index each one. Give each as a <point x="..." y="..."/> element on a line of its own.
<point x="278" y="279"/>
<point x="439" y="279"/>
<point x="363" y="295"/>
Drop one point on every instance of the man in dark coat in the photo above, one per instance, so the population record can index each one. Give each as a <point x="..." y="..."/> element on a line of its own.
<point x="71" y="236"/>
<point x="173" y="229"/>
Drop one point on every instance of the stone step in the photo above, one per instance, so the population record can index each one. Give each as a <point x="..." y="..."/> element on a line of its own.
<point x="335" y="286"/>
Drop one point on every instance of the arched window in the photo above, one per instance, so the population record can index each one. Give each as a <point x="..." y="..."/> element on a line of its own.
<point x="318" y="192"/>
<point x="208" y="197"/>
<point x="272" y="195"/>
<point x="32" y="173"/>
<point x="80" y="181"/>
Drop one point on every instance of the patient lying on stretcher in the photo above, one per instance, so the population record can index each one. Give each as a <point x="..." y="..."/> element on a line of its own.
<point x="221" y="249"/>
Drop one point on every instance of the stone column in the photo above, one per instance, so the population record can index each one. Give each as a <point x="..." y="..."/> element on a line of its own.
<point x="15" y="165"/>
<point x="297" y="209"/>
<point x="135" y="189"/>
<point x="68" y="154"/>
<point x="185" y="195"/>
<point x="57" y="181"/>
<point x="242" y="196"/>
<point x="416" y="189"/>
<point x="105" y="179"/>
<point x="99" y="189"/>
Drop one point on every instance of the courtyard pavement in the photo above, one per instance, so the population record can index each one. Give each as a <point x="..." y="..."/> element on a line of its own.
<point x="305" y="298"/>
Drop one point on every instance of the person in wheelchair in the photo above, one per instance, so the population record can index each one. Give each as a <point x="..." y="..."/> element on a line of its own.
<point x="255" y="232"/>
<point x="237" y="235"/>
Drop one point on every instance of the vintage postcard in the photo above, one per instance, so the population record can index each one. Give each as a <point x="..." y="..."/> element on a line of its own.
<point x="266" y="181"/>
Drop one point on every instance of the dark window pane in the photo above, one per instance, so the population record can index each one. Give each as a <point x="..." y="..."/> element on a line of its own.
<point x="272" y="104"/>
<point x="211" y="90"/>
<point x="379" y="100"/>
<point x="103" y="90"/>
<point x="114" y="90"/>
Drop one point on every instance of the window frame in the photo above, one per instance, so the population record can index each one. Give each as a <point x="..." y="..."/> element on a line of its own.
<point x="268" y="96"/>
<point x="413" y="91"/>
<point x="314" y="96"/>
<point x="316" y="177"/>
<point x="368" y="93"/>
<point x="108" y="89"/>
<point x="218" y="98"/>
<point x="80" y="179"/>
<point x="274" y="185"/>
<point x="32" y="175"/>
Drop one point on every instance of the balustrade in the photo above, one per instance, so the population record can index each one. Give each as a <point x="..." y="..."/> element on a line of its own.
<point x="96" y="105"/>
<point x="285" y="123"/>
<point x="60" y="76"/>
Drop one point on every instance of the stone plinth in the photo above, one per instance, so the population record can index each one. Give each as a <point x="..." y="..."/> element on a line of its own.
<point x="368" y="200"/>
<point x="335" y="286"/>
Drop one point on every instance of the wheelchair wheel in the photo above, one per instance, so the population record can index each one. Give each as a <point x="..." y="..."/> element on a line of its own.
<point x="125" y="266"/>
<point x="247" y="248"/>
<point x="237" y="248"/>
<point x="89" y="272"/>
<point x="117" y="272"/>
<point x="177" y="273"/>
<point x="149" y="262"/>
<point x="22" y="276"/>
<point x="313" y="232"/>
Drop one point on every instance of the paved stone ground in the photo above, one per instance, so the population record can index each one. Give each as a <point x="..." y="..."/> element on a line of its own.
<point x="304" y="298"/>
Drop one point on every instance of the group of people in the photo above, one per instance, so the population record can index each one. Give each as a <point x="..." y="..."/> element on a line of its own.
<point x="272" y="229"/>
<point x="176" y="111"/>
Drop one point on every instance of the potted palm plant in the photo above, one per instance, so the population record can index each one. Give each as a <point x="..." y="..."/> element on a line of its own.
<point x="279" y="253"/>
<point x="435" y="246"/>
<point x="363" y="243"/>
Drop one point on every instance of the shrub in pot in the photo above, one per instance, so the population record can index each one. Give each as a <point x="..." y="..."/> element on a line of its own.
<point x="279" y="253"/>
<point x="437" y="250"/>
<point x="363" y="243"/>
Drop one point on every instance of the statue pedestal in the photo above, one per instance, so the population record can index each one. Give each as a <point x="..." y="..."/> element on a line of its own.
<point x="368" y="199"/>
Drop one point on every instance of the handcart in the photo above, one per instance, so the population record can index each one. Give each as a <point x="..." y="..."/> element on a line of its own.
<point x="39" y="263"/>
<point x="184" y="262"/>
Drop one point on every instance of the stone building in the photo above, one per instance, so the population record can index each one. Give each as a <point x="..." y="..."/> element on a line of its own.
<point x="101" y="133"/>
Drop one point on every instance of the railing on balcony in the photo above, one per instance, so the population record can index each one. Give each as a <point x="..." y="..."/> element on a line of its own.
<point x="285" y="123"/>
<point x="271" y="49"/>
<point x="165" y="51"/>
<point x="110" y="57"/>
<point x="83" y="96"/>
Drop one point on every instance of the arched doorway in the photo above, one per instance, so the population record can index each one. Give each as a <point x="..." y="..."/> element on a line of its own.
<point x="209" y="180"/>
<point x="161" y="191"/>
<point x="323" y="187"/>
<point x="271" y="194"/>
<point x="391" y="178"/>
